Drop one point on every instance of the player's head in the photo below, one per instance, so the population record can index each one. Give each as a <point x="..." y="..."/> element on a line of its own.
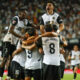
<point x="50" y="6"/>
<point x="22" y="13"/>
<point x="75" y="47"/>
<point x="31" y="31"/>
<point x="50" y="27"/>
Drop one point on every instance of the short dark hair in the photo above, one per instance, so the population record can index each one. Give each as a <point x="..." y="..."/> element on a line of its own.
<point x="51" y="1"/>
<point x="31" y="31"/>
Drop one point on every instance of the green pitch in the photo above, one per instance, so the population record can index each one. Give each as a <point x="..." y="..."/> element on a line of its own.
<point x="70" y="77"/>
<point x="66" y="77"/>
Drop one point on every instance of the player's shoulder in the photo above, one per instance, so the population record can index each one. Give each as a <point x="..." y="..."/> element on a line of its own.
<point x="15" y="17"/>
<point x="14" y="20"/>
<point x="44" y="15"/>
<point x="55" y="14"/>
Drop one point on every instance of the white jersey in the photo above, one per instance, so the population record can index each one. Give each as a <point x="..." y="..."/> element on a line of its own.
<point x="62" y="58"/>
<point x="53" y="19"/>
<point x="51" y="50"/>
<point x="21" y="57"/>
<point x="33" y="60"/>
<point x="72" y="56"/>
<point x="77" y="54"/>
<point x="20" y="24"/>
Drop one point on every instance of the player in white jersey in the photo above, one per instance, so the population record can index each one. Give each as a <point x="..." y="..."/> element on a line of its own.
<point x="33" y="63"/>
<point x="18" y="63"/>
<point x="16" y="30"/>
<point x="51" y="58"/>
<point x="51" y="17"/>
<point x="75" y="58"/>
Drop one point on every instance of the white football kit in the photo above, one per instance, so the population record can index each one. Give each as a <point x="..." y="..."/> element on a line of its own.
<point x="33" y="59"/>
<point x="21" y="57"/>
<point x="77" y="54"/>
<point x="51" y="50"/>
<point x="20" y="24"/>
<point x="52" y="19"/>
<point x="72" y="56"/>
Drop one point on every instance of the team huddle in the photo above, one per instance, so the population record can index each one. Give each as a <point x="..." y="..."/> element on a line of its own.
<point x="32" y="51"/>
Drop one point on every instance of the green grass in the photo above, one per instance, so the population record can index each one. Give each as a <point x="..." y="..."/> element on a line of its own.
<point x="70" y="77"/>
<point x="66" y="77"/>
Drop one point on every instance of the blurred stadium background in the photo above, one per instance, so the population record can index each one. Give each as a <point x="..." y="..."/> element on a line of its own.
<point x="68" y="9"/>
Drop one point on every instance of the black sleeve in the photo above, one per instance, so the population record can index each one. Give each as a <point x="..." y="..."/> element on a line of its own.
<point x="41" y="21"/>
<point x="59" y="20"/>
<point x="39" y="43"/>
<point x="14" y="21"/>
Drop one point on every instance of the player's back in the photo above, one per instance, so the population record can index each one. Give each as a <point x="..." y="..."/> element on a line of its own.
<point x="51" y="50"/>
<point x="33" y="59"/>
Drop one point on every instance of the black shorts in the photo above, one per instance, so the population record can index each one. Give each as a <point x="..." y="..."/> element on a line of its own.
<point x="73" y="66"/>
<point x="7" y="49"/>
<point x="62" y="67"/>
<point x="51" y="72"/>
<point x="36" y="74"/>
<point x="17" y="71"/>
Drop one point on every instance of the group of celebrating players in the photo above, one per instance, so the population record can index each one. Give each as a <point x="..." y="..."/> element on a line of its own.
<point x="32" y="51"/>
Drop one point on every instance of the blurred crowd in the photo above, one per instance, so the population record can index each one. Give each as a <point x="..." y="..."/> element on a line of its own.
<point x="68" y="9"/>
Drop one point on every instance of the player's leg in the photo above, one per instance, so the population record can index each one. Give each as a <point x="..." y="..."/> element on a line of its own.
<point x="37" y="74"/>
<point x="11" y="49"/>
<point x="28" y="74"/>
<point x="15" y="70"/>
<point x="56" y="72"/>
<point x="75" y="72"/>
<point x="5" y="55"/>
<point x="51" y="72"/>
<point x="62" y="67"/>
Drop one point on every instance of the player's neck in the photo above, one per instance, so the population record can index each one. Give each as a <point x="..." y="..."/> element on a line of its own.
<point x="50" y="12"/>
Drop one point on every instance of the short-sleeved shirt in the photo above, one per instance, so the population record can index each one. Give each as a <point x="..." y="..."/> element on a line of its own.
<point x="19" y="25"/>
<point x="54" y="18"/>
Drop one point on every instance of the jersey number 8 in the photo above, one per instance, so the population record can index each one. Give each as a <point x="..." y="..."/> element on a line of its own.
<point x="52" y="48"/>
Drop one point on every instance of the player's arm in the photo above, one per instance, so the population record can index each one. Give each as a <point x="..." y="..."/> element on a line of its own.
<point x="17" y="52"/>
<point x="47" y="34"/>
<point x="29" y="40"/>
<point x="42" y="26"/>
<point x="42" y="29"/>
<point x="63" y="41"/>
<point x="70" y="57"/>
<point x="61" y="24"/>
<point x="13" y="23"/>
<point x="30" y="47"/>
<point x="32" y="25"/>
<point x="41" y="51"/>
<point x="62" y="51"/>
